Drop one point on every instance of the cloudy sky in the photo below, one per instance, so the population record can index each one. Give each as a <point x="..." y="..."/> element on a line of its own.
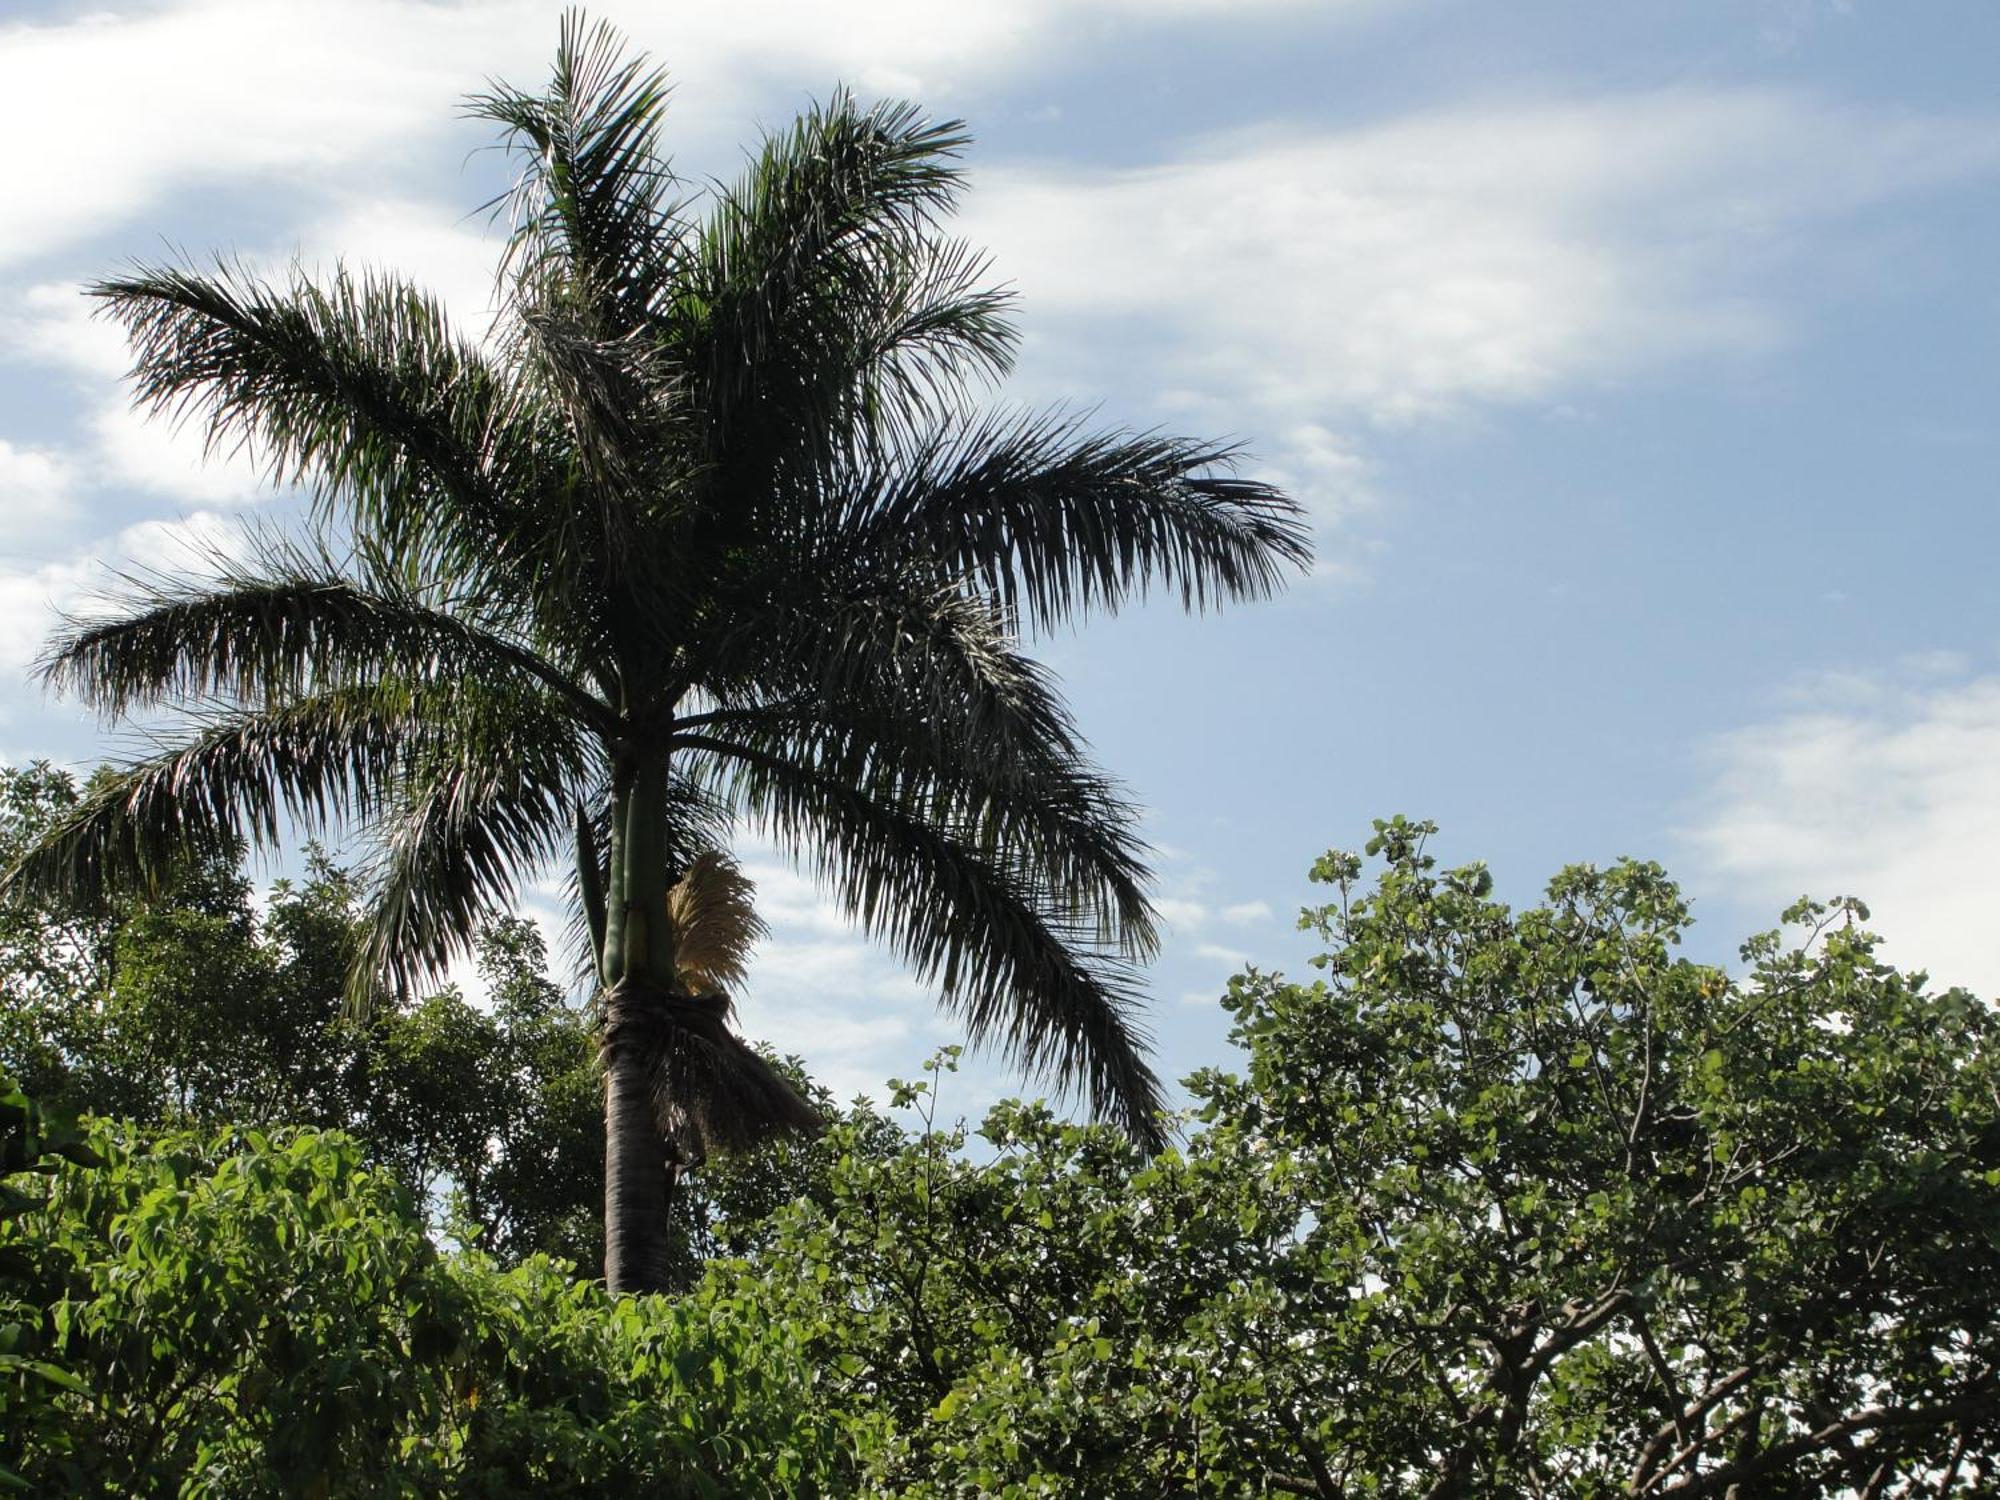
<point x="1638" y="364"/>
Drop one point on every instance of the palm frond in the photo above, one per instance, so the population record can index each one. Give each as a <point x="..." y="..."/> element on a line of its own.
<point x="888" y="635"/>
<point x="1065" y="826"/>
<point x="359" y="389"/>
<point x="820" y="265"/>
<point x="868" y="353"/>
<point x="970" y="914"/>
<point x="619" y="403"/>
<point x="929" y="321"/>
<point x="235" y="779"/>
<point x="594" y="204"/>
<point x="284" y="622"/>
<point x="925" y="685"/>
<point x="712" y="1092"/>
<point x="485" y="803"/>
<point x="712" y="916"/>
<point x="1053" y="521"/>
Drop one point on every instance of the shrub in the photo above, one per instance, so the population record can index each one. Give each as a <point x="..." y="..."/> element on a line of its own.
<point x="246" y="1314"/>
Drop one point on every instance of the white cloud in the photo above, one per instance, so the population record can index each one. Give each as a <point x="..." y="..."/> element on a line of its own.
<point x="51" y="324"/>
<point x="786" y="899"/>
<point x="842" y="1004"/>
<point x="1323" y="472"/>
<point x="1469" y="255"/>
<point x="1393" y="271"/>
<point x="156" y="456"/>
<point x="1247" y="913"/>
<point x="162" y="100"/>
<point x="1885" y="787"/>
<point x="330" y="95"/>
<point x="31" y="599"/>
<point x="1180" y="913"/>
<point x="36" y="490"/>
<point x="1234" y="957"/>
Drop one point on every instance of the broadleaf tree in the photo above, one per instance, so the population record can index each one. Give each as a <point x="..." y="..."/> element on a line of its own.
<point x="201" y="1006"/>
<point x="709" y="529"/>
<point x="1504" y="1202"/>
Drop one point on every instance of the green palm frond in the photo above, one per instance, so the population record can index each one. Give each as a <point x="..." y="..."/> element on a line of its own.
<point x="463" y="827"/>
<point x="821" y="266"/>
<point x="880" y="635"/>
<point x="288" y="620"/>
<point x="1053" y="521"/>
<point x="358" y="388"/>
<point x="594" y="204"/>
<point x="235" y="779"/>
<point x="918" y="330"/>
<point x="1068" y="825"/>
<point x="928" y="687"/>
<point x="621" y="411"/>
<point x="970" y="913"/>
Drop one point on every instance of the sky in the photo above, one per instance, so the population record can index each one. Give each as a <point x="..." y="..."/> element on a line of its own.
<point x="1637" y="365"/>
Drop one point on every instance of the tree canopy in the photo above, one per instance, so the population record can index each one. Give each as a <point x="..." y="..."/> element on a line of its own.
<point x="203" y="1007"/>
<point x="1502" y="1202"/>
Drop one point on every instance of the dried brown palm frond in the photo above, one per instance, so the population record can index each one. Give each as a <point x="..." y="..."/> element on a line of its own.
<point x="712" y="916"/>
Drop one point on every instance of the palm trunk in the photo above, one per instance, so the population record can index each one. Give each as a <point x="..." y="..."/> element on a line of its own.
<point x="636" y="1223"/>
<point x="637" y="968"/>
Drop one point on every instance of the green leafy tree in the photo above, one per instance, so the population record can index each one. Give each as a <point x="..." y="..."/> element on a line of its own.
<point x="53" y="956"/>
<point x="199" y="1006"/>
<point x="709" y="529"/>
<point x="1507" y="1203"/>
<point x="240" y="1315"/>
<point x="176" y="1002"/>
<point x="193" y="1007"/>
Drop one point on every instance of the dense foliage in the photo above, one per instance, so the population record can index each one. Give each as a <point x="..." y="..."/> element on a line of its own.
<point x="242" y="1315"/>
<point x="1504" y="1202"/>
<point x="199" y="1005"/>
<point x="202" y="1006"/>
<point x="1507" y="1203"/>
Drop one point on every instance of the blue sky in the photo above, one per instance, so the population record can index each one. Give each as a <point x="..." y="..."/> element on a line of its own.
<point x="1638" y="364"/>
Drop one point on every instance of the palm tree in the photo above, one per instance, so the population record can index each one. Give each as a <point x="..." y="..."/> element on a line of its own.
<point x="707" y="531"/>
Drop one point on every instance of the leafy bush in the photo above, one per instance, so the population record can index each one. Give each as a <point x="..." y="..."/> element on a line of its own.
<point x="200" y="1006"/>
<point x="240" y="1314"/>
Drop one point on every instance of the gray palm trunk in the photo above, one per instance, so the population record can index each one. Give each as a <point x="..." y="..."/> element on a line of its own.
<point x="636" y="965"/>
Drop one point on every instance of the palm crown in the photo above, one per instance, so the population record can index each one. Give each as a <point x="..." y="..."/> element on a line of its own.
<point x="706" y="530"/>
